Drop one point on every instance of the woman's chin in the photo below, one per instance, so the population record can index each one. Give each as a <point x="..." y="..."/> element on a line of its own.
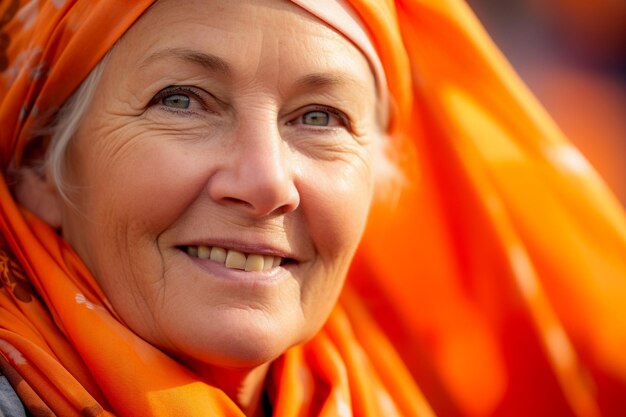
<point x="235" y="347"/>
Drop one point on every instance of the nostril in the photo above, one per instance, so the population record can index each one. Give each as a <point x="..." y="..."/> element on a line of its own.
<point x="237" y="201"/>
<point x="263" y="205"/>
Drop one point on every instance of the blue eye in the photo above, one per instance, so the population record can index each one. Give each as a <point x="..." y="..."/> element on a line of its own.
<point x="181" y="99"/>
<point x="177" y="101"/>
<point x="320" y="116"/>
<point x="316" y="118"/>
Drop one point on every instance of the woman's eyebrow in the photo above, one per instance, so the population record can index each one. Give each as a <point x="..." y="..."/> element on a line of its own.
<point x="324" y="80"/>
<point x="208" y="61"/>
<point x="331" y="79"/>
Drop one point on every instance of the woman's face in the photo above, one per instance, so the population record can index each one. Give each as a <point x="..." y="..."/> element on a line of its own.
<point x="235" y="130"/>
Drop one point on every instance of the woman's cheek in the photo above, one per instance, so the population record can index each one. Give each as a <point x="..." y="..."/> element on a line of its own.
<point x="337" y="199"/>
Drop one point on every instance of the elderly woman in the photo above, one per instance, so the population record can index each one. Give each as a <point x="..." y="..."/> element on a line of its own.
<point x="293" y="208"/>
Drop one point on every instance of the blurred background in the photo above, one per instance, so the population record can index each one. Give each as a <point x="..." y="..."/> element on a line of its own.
<point x="572" y="55"/>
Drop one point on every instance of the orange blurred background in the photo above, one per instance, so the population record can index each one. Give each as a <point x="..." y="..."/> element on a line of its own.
<point x="572" y="55"/>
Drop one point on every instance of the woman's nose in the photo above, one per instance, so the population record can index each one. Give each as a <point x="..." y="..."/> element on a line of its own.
<point x="257" y="174"/>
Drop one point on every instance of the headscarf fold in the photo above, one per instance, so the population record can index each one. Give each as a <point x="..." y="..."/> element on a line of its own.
<point x="493" y="287"/>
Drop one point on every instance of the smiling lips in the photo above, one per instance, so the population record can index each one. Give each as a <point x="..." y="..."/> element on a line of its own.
<point x="234" y="259"/>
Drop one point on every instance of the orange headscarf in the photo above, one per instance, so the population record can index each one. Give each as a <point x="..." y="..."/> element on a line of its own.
<point x="496" y="283"/>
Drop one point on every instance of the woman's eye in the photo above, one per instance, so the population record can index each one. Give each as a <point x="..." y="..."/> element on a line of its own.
<point x="180" y="98"/>
<point x="176" y="101"/>
<point x="316" y="118"/>
<point x="323" y="117"/>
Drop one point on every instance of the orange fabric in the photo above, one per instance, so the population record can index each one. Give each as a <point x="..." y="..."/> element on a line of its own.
<point x="495" y="284"/>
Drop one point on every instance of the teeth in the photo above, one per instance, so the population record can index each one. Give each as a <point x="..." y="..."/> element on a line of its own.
<point x="204" y="252"/>
<point x="218" y="255"/>
<point x="254" y="263"/>
<point x="268" y="262"/>
<point x="234" y="259"/>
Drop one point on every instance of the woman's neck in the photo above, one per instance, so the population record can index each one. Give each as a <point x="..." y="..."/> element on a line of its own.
<point x="243" y="386"/>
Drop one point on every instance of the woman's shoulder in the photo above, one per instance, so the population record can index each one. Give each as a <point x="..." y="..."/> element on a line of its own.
<point x="10" y="403"/>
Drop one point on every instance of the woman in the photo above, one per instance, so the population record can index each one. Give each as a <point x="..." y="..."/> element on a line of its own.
<point x="188" y="189"/>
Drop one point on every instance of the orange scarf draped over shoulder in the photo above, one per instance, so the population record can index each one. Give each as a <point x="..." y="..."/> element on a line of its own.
<point x="493" y="285"/>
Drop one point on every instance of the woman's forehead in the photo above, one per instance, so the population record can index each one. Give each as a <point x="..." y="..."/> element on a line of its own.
<point x="244" y="39"/>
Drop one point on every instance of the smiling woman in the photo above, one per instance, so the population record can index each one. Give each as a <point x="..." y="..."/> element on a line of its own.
<point x="198" y="218"/>
<point x="221" y="140"/>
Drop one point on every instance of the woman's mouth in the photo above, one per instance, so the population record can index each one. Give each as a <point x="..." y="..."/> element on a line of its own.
<point x="233" y="259"/>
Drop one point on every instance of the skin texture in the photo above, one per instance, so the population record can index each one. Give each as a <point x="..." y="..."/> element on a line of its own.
<point x="240" y="168"/>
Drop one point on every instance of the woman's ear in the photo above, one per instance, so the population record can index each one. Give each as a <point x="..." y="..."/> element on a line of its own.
<point x="39" y="194"/>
